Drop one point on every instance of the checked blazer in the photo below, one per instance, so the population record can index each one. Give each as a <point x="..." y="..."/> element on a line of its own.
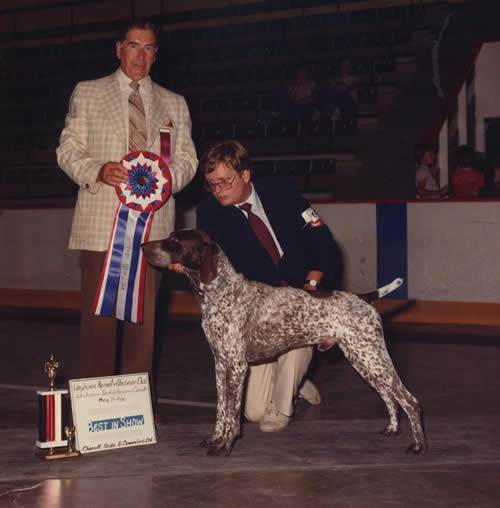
<point x="304" y="247"/>
<point x="94" y="134"/>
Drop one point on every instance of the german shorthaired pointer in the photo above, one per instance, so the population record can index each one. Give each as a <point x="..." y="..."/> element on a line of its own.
<point x="246" y="321"/>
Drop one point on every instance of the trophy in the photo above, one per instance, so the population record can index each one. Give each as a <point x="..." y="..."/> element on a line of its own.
<point x="70" y="434"/>
<point x="52" y="430"/>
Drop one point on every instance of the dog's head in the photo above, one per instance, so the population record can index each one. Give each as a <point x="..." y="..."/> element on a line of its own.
<point x="192" y="248"/>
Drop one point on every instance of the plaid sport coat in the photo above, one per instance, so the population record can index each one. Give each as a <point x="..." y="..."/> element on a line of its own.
<point x="94" y="134"/>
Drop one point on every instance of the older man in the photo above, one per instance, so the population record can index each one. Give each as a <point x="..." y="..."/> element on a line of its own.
<point x="108" y="118"/>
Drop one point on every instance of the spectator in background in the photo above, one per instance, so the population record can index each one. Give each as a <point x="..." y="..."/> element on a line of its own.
<point x="426" y="178"/>
<point x="302" y="96"/>
<point x="338" y="97"/>
<point x="346" y="80"/>
<point x="343" y="98"/>
<point x="466" y="180"/>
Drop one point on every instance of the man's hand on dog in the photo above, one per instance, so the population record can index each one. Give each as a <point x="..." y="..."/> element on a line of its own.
<point x="313" y="275"/>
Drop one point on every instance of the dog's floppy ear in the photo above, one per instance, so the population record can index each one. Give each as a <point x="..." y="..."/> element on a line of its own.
<point x="209" y="255"/>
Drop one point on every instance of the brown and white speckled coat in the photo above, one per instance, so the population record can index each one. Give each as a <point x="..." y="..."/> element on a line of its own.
<point x="246" y="321"/>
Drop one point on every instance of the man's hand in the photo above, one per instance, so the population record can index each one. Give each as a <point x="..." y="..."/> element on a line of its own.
<point x="313" y="275"/>
<point x="308" y="287"/>
<point x="112" y="173"/>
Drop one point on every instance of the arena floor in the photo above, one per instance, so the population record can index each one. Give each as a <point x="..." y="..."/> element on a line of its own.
<point x="330" y="455"/>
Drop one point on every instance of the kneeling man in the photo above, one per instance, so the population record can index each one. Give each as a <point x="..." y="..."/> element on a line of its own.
<point x="270" y="234"/>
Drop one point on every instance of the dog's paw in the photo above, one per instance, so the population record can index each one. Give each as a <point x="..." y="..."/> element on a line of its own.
<point x="211" y="441"/>
<point x="390" y="431"/>
<point x="417" y="449"/>
<point x="219" y="450"/>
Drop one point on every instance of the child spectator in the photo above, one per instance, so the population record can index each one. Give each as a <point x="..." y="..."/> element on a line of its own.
<point x="426" y="178"/>
<point x="302" y="95"/>
<point x="466" y="180"/>
<point x="346" y="81"/>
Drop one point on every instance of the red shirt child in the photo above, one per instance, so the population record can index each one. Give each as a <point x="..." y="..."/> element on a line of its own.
<point x="467" y="182"/>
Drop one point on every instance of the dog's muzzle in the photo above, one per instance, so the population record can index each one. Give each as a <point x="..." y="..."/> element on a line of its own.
<point x="155" y="254"/>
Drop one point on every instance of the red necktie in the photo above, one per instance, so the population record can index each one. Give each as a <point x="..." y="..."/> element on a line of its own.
<point x="262" y="232"/>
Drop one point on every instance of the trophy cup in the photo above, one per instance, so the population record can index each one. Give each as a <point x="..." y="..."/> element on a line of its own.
<point x="70" y="435"/>
<point x="51" y="419"/>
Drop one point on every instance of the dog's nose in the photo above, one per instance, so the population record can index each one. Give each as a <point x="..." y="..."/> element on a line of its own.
<point x="155" y="254"/>
<point x="147" y="249"/>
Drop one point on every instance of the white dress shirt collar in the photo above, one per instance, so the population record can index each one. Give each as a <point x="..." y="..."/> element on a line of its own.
<point x="253" y="199"/>
<point x="124" y="81"/>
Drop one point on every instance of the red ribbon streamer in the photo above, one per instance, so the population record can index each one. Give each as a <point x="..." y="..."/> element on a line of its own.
<point x="165" y="144"/>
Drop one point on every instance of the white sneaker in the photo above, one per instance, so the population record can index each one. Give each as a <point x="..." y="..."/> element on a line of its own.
<point x="274" y="420"/>
<point x="310" y="393"/>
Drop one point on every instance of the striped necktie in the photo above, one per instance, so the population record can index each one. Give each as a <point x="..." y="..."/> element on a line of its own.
<point x="137" y="137"/>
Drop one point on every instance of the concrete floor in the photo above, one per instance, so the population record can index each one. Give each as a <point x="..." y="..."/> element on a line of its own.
<point x="330" y="455"/>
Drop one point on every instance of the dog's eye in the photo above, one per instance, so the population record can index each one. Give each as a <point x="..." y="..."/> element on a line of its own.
<point x="172" y="245"/>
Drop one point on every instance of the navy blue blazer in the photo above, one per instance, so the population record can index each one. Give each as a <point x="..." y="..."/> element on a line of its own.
<point x="304" y="247"/>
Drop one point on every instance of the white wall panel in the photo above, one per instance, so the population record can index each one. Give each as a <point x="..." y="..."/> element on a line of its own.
<point x="34" y="252"/>
<point x="453" y="248"/>
<point x="354" y="228"/>
<point x="453" y="251"/>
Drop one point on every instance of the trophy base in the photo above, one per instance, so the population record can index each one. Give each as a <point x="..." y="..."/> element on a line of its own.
<point x="47" y="456"/>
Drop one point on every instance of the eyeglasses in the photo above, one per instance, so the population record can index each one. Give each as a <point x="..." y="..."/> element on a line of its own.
<point x="223" y="184"/>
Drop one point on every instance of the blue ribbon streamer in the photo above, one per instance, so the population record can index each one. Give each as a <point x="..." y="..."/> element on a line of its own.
<point x="115" y="264"/>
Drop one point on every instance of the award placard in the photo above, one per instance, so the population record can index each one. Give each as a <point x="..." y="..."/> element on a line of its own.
<point x="112" y="412"/>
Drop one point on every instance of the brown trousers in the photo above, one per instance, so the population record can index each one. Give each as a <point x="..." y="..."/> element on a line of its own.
<point x="103" y="338"/>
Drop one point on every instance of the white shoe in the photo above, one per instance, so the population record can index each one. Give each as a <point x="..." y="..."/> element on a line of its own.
<point x="310" y="393"/>
<point x="274" y="420"/>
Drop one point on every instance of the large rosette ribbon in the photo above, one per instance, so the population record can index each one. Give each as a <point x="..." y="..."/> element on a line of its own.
<point x="148" y="187"/>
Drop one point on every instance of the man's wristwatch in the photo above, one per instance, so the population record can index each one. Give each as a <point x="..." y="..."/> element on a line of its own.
<point x="312" y="282"/>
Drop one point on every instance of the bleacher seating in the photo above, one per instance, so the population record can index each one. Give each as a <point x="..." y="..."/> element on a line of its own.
<point x="311" y="174"/>
<point x="230" y="75"/>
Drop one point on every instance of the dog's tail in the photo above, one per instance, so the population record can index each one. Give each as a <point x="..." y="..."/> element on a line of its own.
<point x="383" y="291"/>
